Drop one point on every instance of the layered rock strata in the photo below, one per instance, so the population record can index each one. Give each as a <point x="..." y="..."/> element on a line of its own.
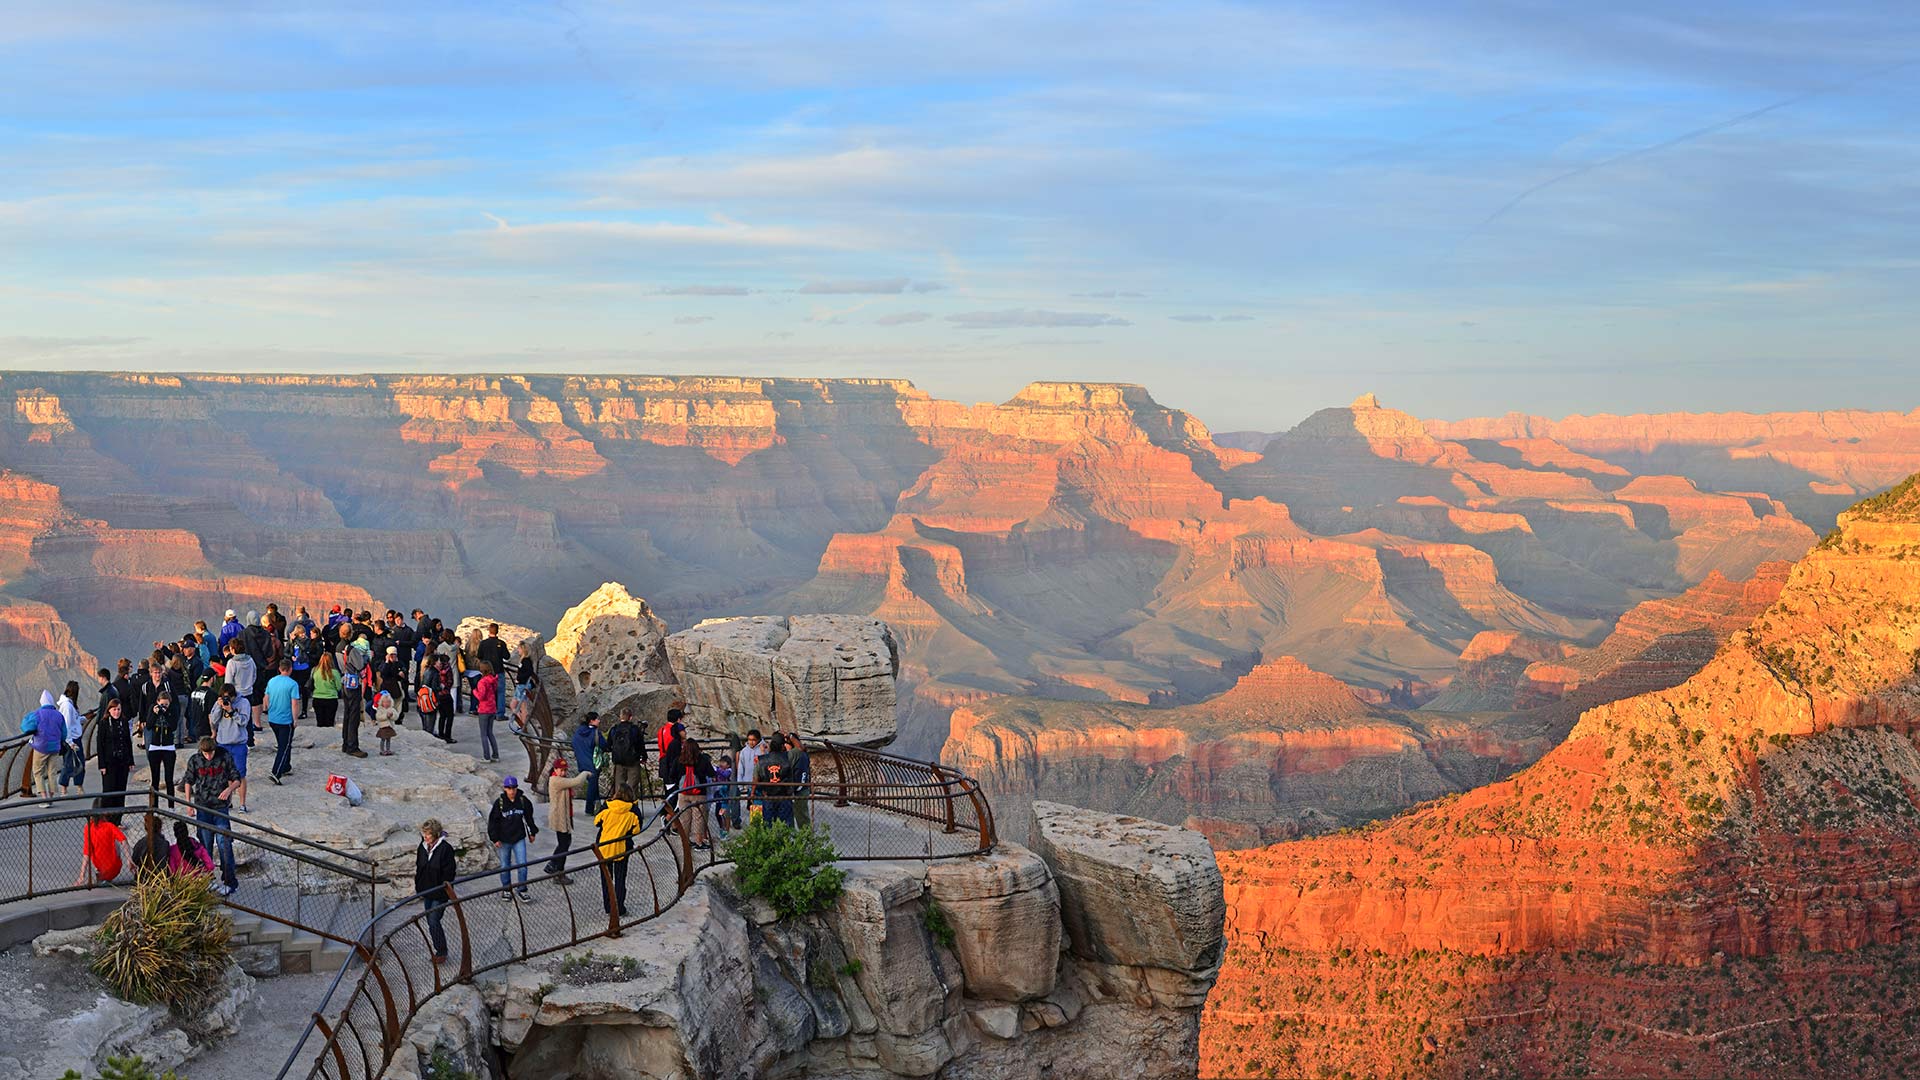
<point x="826" y="676"/>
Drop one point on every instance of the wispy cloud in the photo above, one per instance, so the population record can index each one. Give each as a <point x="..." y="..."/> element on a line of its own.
<point x="869" y="286"/>
<point x="903" y="318"/>
<point x="692" y="320"/>
<point x="1000" y="320"/>
<point x="1210" y="318"/>
<point x="1109" y="294"/>
<point x="706" y="290"/>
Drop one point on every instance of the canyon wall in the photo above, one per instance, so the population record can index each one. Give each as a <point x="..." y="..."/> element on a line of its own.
<point x="1764" y="808"/>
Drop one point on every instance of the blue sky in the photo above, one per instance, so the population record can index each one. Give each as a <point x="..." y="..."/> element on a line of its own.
<point x="1253" y="209"/>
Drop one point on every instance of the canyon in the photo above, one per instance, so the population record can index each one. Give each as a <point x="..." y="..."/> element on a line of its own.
<point x="1714" y="878"/>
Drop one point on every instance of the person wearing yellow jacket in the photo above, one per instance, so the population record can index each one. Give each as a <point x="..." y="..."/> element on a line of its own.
<point x="616" y="823"/>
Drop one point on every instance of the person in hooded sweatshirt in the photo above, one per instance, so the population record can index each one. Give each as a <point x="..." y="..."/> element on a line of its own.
<point x="48" y="741"/>
<point x="73" y="770"/>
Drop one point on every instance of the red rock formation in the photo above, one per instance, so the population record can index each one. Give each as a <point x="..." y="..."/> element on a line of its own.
<point x="1767" y="805"/>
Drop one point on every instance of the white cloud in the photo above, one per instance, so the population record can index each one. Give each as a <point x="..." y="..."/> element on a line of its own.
<point x="999" y="320"/>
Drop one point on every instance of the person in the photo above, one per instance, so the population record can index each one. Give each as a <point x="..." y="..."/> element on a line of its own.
<point x="393" y="677"/>
<point x="405" y="643"/>
<point x="302" y="652"/>
<point x="722" y="796"/>
<point x="243" y="675"/>
<point x="386" y="718"/>
<point x="73" y="766"/>
<point x="769" y="781"/>
<point x="229" y="630"/>
<point x="493" y="651"/>
<point x="743" y="775"/>
<point x="470" y="669"/>
<point x="161" y="728"/>
<point x="47" y="742"/>
<point x="200" y="707"/>
<point x="326" y="691"/>
<point x="669" y="773"/>
<point x="693" y="772"/>
<point x="282" y="696"/>
<point x="588" y="744"/>
<point x="627" y="748"/>
<point x="103" y="848"/>
<point x="353" y="688"/>
<point x="487" y="707"/>
<point x="258" y="645"/>
<point x="446" y="685"/>
<point x="151" y="858"/>
<point x="189" y="856"/>
<point x="448" y="648"/>
<point x="231" y="724"/>
<point x="213" y="777"/>
<point x="115" y="749"/>
<point x="560" y="789"/>
<point x="434" y="869"/>
<point x="523" y="677"/>
<point x="510" y="826"/>
<point x="427" y="696"/>
<point x="616" y="824"/>
<point x="800" y="774"/>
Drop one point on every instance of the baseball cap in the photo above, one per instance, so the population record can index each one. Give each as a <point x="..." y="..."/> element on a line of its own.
<point x="230" y="613"/>
<point x="510" y="781"/>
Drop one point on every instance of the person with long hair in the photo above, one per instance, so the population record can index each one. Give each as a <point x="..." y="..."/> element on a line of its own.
<point x="326" y="690"/>
<point x="73" y="764"/>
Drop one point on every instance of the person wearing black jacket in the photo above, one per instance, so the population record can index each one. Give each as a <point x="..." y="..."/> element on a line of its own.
<point x="494" y="651"/>
<point x="114" y="747"/>
<point x="107" y="691"/>
<point x="433" y="872"/>
<point x="511" y="828"/>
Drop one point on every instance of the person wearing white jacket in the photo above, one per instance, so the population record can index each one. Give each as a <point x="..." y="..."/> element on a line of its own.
<point x="73" y="769"/>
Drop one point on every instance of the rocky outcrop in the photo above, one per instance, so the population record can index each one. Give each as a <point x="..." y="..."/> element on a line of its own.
<point x="609" y="638"/>
<point x="827" y="676"/>
<point x="873" y="988"/>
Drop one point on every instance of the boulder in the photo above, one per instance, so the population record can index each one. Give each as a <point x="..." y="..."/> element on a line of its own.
<point x="610" y="638"/>
<point x="649" y="702"/>
<point x="829" y="676"/>
<point x="1005" y="914"/>
<point x="562" y="693"/>
<point x="456" y="1027"/>
<point x="1136" y="893"/>
<point x="880" y="922"/>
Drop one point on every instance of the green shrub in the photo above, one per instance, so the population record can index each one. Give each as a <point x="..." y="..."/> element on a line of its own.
<point x="935" y="920"/>
<point x="441" y="1067"/>
<point x="168" y="944"/>
<point x="791" y="868"/>
<point x="119" y="1068"/>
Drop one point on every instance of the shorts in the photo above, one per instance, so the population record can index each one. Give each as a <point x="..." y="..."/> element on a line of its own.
<point x="239" y="752"/>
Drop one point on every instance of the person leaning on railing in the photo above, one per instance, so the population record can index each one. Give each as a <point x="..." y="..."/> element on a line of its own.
<point x="434" y="869"/>
<point x="800" y="773"/>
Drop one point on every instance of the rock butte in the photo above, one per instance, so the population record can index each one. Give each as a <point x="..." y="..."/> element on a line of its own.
<point x="1705" y="879"/>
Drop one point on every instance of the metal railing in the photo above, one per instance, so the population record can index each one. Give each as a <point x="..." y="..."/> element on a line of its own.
<point x="283" y="878"/>
<point x="361" y="1023"/>
<point x="16" y="760"/>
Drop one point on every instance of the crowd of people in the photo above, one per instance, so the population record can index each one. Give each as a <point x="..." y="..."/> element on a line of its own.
<point x="217" y="690"/>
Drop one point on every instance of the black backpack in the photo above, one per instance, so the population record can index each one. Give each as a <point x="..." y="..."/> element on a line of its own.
<point x="623" y="743"/>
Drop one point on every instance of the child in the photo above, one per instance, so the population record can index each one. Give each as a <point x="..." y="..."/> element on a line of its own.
<point x="386" y="712"/>
<point x="188" y="855"/>
<point x="103" y="849"/>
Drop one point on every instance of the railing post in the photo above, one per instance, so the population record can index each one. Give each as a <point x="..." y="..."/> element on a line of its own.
<point x="466" y="943"/>
<point x="153" y="823"/>
<point x="946" y="795"/>
<point x="607" y="894"/>
<point x="840" y="775"/>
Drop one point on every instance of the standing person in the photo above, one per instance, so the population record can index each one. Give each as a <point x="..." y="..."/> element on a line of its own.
<point x="73" y="765"/>
<point x="386" y="720"/>
<point x="616" y="825"/>
<point x="441" y="670"/>
<point x="627" y="747"/>
<point x="48" y="740"/>
<point x="434" y="869"/>
<point x="493" y="651"/>
<point x="560" y="789"/>
<point x="232" y="724"/>
<point x="229" y="630"/>
<point x="212" y="780"/>
<point x="800" y="775"/>
<point x="204" y="645"/>
<point x="257" y="642"/>
<point x="723" y="794"/>
<point x="743" y="773"/>
<point x="115" y="747"/>
<point x="523" y="678"/>
<point x="487" y="706"/>
<point x="282" y="697"/>
<point x="244" y="676"/>
<point x="769" y="781"/>
<point x="587" y="743"/>
<point x="510" y="826"/>
<point x="449" y="650"/>
<point x="393" y="677"/>
<point x="427" y="696"/>
<point x="200" y="707"/>
<point x="326" y="691"/>
<point x="695" y="771"/>
<point x="406" y="643"/>
<point x="669" y="770"/>
<point x="470" y="669"/>
<point x="161" y="727"/>
<point x="303" y="652"/>
<point x="354" y="671"/>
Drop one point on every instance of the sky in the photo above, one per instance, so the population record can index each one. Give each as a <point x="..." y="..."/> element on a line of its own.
<point x="1255" y="210"/>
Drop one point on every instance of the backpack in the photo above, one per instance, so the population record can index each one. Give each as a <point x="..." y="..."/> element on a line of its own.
<point x="429" y="701"/>
<point x="623" y="744"/>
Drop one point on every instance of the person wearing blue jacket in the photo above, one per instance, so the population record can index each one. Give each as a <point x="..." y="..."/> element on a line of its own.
<point x="48" y="741"/>
<point x="587" y="740"/>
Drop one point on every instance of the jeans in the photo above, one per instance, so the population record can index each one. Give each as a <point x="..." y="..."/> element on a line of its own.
<point x="73" y="768"/>
<point x="506" y="696"/>
<point x="436" y="908"/>
<point x="618" y="868"/>
<point x="219" y="843"/>
<point x="515" y="852"/>
<point x="488" y="747"/>
<point x="282" y="748"/>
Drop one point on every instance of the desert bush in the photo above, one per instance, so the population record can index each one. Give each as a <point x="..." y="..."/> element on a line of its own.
<point x="168" y="944"/>
<point x="791" y="868"/>
<point x="119" y="1068"/>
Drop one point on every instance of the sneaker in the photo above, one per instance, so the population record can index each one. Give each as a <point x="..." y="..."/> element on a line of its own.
<point x="358" y="753"/>
<point x="275" y="777"/>
<point x="506" y="896"/>
<point x="525" y="896"/>
<point x="241" y="810"/>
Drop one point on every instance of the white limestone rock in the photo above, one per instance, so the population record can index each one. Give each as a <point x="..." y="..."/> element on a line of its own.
<point x="829" y="676"/>
<point x="610" y="638"/>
